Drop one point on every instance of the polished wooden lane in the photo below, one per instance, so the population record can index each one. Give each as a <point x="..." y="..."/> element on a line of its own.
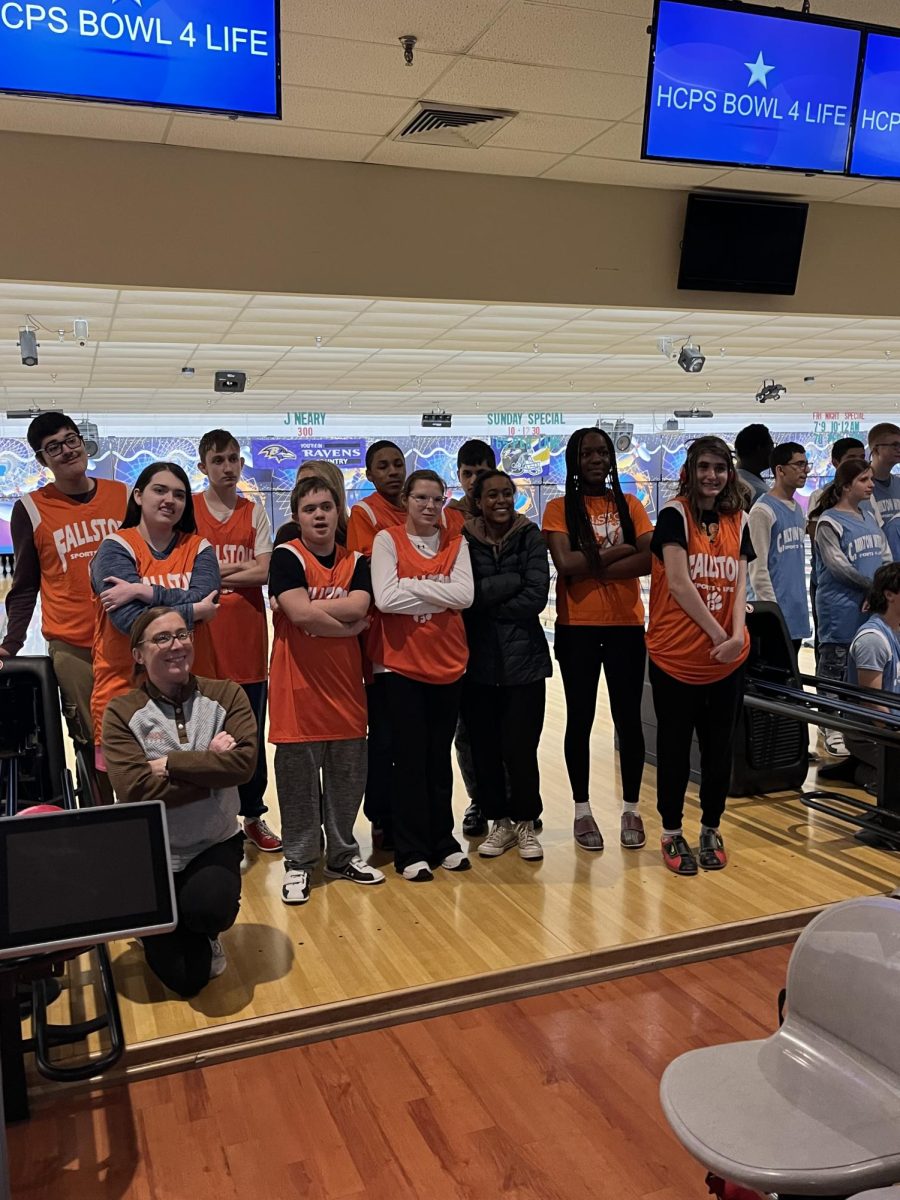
<point x="351" y="941"/>
<point x="550" y="1098"/>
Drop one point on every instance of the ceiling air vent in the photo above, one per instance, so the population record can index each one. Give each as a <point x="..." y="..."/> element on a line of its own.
<point x="452" y="125"/>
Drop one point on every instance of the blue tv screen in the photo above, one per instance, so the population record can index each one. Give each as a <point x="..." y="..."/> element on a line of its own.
<point x="876" y="136"/>
<point x="207" y="55"/>
<point x="746" y="87"/>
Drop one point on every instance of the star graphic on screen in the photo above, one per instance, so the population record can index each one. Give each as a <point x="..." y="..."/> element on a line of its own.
<point x="758" y="71"/>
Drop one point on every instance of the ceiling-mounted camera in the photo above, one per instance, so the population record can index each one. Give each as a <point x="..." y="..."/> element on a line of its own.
<point x="691" y="359"/>
<point x="770" y="390"/>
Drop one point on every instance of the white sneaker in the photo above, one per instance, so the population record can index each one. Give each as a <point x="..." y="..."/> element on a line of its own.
<point x="529" y="846"/>
<point x="357" y="871"/>
<point x="295" y="888"/>
<point x="219" y="962"/>
<point x="501" y="838"/>
<point x="417" y="872"/>
<point x="835" y="744"/>
<point x="456" y="861"/>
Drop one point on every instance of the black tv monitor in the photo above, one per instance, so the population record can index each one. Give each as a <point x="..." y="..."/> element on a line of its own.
<point x="741" y="244"/>
<point x="75" y="878"/>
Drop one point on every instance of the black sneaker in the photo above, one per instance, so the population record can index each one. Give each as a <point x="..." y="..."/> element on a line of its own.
<point x="474" y="823"/>
<point x="357" y="871"/>
<point x="712" y="851"/>
<point x="678" y="856"/>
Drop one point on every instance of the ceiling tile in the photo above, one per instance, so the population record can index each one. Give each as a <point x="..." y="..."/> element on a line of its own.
<point x="486" y="159"/>
<point x="254" y="137"/>
<point x="540" y="131"/>
<point x="346" y="112"/>
<point x="641" y="174"/>
<point x="447" y="28"/>
<point x="621" y="141"/>
<point x="116" y="121"/>
<point x="556" y="36"/>
<point x="328" y="62"/>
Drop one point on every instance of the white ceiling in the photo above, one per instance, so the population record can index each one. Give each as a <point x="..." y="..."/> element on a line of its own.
<point x="388" y="356"/>
<point x="574" y="69"/>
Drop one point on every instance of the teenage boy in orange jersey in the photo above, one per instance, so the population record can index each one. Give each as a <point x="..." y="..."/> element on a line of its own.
<point x="55" y="532"/>
<point x="386" y="471"/>
<point x="241" y="534"/>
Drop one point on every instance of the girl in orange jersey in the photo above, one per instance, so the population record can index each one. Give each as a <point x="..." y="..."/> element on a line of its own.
<point x="698" y="644"/>
<point x="156" y="559"/>
<point x="422" y="579"/>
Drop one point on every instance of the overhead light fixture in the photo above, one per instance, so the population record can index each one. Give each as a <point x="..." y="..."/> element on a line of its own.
<point x="693" y="414"/>
<point x="188" y="372"/>
<point x="26" y="414"/>
<point x="620" y="432"/>
<point x="770" y="391"/>
<point x="691" y="359"/>
<point x="230" y="381"/>
<point x="28" y="345"/>
<point x="91" y="435"/>
<point x="80" y="331"/>
<point x="437" y="420"/>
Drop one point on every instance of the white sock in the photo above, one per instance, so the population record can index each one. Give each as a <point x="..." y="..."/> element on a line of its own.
<point x="632" y="808"/>
<point x="583" y="809"/>
<point x="670" y="833"/>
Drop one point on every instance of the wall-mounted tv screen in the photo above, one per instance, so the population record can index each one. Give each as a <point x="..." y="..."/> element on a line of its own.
<point x="742" y="244"/>
<point x="876" y="137"/>
<point x="219" y="56"/>
<point x="743" y="86"/>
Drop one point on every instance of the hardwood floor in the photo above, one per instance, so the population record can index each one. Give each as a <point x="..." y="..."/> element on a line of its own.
<point x="550" y="1098"/>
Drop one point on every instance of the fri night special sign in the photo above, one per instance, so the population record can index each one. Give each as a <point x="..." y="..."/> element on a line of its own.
<point x="208" y="55"/>
<point x="743" y="87"/>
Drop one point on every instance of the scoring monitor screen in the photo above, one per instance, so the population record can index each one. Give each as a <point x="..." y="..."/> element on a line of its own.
<point x="90" y="873"/>
<point x="207" y="55"/>
<point x="744" y="87"/>
<point x="876" y="140"/>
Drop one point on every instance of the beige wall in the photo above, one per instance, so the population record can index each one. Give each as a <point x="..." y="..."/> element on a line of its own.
<point x="105" y="212"/>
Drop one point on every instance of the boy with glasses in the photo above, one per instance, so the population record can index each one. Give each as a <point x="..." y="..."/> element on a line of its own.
<point x="884" y="453"/>
<point x="241" y="535"/>
<point x="55" y="533"/>
<point x="778" y="533"/>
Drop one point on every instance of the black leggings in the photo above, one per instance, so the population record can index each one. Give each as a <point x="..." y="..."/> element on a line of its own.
<point x="712" y="709"/>
<point x="504" y="725"/>
<point x="208" y="894"/>
<point x="582" y="652"/>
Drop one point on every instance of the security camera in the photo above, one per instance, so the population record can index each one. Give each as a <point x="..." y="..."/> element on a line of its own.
<point x="80" y="331"/>
<point x="690" y="359"/>
<point x="770" y="390"/>
<point x="28" y="344"/>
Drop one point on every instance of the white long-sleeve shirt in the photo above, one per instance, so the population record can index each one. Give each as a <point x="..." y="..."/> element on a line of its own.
<point x="418" y="597"/>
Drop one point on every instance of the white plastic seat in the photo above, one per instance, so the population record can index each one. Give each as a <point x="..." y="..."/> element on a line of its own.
<point x="814" y="1109"/>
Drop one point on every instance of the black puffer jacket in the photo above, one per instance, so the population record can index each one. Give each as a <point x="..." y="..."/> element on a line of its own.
<point x="507" y="645"/>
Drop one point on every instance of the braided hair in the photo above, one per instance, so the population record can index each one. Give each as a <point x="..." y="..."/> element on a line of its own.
<point x="578" y="521"/>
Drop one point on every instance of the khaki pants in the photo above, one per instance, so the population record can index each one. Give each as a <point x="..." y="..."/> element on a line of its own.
<point x="75" y="675"/>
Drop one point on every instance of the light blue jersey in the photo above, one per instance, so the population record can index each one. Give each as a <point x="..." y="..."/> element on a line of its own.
<point x="838" y="602"/>
<point x="887" y="497"/>
<point x="876" y="648"/>
<point x="780" y="574"/>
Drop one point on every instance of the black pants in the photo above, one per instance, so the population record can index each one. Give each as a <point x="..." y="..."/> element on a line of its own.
<point x="712" y="710"/>
<point x="380" y="770"/>
<point x="253" y="792"/>
<point x="582" y="652"/>
<point x="504" y="725"/>
<point x="208" y="895"/>
<point x="423" y="720"/>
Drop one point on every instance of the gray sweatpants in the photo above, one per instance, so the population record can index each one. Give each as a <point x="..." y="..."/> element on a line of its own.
<point x="306" y="804"/>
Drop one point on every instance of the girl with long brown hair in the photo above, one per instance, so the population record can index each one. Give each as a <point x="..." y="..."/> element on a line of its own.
<point x="698" y="643"/>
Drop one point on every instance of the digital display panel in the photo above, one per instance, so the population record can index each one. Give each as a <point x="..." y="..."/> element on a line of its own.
<point x="876" y="136"/>
<point x="204" y="55"/>
<point x="745" y="87"/>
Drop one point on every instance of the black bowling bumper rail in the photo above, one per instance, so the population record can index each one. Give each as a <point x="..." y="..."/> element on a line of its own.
<point x="849" y="709"/>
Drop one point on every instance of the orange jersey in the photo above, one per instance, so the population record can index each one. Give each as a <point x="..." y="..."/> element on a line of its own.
<point x="316" y="691"/>
<point x="113" y="661"/>
<point x="454" y="519"/>
<point x="432" y="648"/>
<point x="591" y="601"/>
<point x="66" y="537"/>
<point x="368" y="517"/>
<point x="238" y="635"/>
<point x="675" y="642"/>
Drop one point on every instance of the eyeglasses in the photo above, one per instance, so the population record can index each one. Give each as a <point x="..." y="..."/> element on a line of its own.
<point x="72" y="442"/>
<point x="801" y="464"/>
<point x="895" y="446"/>
<point x="164" y="640"/>
<point x="423" y="500"/>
